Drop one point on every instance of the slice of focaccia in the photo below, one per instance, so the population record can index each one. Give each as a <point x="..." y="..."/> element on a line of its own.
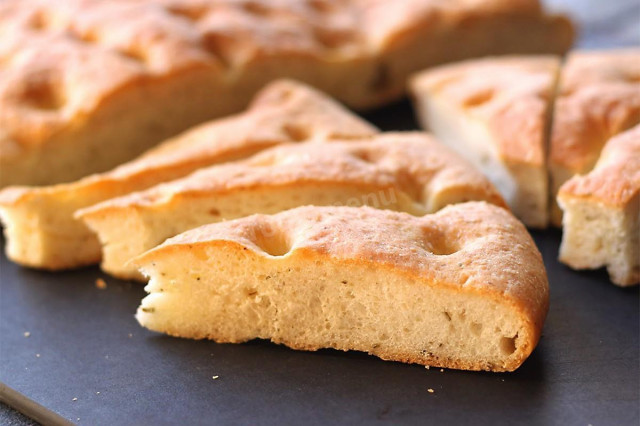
<point x="462" y="288"/>
<point x="86" y="85"/>
<point x="495" y="112"/>
<point x="601" y="223"/>
<point x="39" y="225"/>
<point x="599" y="97"/>
<point x="409" y="172"/>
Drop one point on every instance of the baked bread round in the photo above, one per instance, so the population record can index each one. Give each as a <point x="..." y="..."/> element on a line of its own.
<point x="89" y="84"/>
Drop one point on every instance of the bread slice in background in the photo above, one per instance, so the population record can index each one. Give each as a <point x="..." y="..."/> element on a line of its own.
<point x="601" y="222"/>
<point x="396" y="171"/>
<point x="495" y="112"/>
<point x="462" y="288"/>
<point x="87" y="85"/>
<point x="599" y="97"/>
<point x="41" y="231"/>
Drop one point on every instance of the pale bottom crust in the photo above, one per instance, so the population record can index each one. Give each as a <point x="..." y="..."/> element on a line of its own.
<point x="597" y="235"/>
<point x="523" y="186"/>
<point x="128" y="232"/>
<point x="230" y="293"/>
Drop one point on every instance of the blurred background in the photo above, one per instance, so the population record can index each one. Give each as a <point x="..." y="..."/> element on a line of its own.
<point x="603" y="23"/>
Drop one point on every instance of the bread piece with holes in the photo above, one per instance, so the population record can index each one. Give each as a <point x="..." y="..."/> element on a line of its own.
<point x="86" y="84"/>
<point x="495" y="112"/>
<point x="462" y="288"/>
<point x="601" y="222"/>
<point x="41" y="231"/>
<point x="396" y="171"/>
<point x="599" y="97"/>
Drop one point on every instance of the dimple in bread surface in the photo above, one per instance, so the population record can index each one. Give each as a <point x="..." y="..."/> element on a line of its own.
<point x="282" y="112"/>
<point x="472" y="248"/>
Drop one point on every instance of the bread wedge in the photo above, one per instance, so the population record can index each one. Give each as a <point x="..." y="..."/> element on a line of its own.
<point x="89" y="84"/>
<point x="601" y="222"/>
<point x="495" y="112"/>
<point x="599" y="97"/>
<point x="462" y="288"/>
<point x="39" y="226"/>
<point x="396" y="171"/>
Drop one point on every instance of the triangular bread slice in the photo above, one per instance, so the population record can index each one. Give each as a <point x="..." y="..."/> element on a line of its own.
<point x="601" y="223"/>
<point x="462" y="288"/>
<point x="397" y="171"/>
<point x="599" y="97"/>
<point x="495" y="112"/>
<point x="39" y="225"/>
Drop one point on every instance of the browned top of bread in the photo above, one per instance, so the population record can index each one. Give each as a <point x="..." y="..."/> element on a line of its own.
<point x="473" y="246"/>
<point x="615" y="180"/>
<point x="599" y="97"/>
<point x="284" y="111"/>
<point x="62" y="60"/>
<point x="412" y="163"/>
<point x="509" y="94"/>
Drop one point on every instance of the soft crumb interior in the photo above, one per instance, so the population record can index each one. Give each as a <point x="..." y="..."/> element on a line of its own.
<point x="524" y="188"/>
<point x="136" y="230"/>
<point x="235" y="295"/>
<point x="41" y="235"/>
<point x="596" y="235"/>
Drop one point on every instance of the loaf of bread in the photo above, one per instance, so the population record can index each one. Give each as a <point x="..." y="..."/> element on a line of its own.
<point x="41" y="231"/>
<point x="89" y="84"/>
<point x="601" y="224"/>
<point x="408" y="172"/>
<point x="462" y="288"/>
<point x="495" y="112"/>
<point x="599" y="97"/>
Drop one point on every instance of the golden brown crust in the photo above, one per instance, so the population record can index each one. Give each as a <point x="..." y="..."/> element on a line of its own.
<point x="412" y="163"/>
<point x="510" y="95"/>
<point x="615" y="180"/>
<point x="470" y="247"/>
<point x="599" y="97"/>
<point x="65" y="59"/>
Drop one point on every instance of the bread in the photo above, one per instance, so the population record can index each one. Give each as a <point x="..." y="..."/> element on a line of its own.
<point x="599" y="97"/>
<point x="86" y="85"/>
<point x="397" y="171"/>
<point x="40" y="228"/>
<point x="495" y="112"/>
<point x="601" y="224"/>
<point x="462" y="288"/>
